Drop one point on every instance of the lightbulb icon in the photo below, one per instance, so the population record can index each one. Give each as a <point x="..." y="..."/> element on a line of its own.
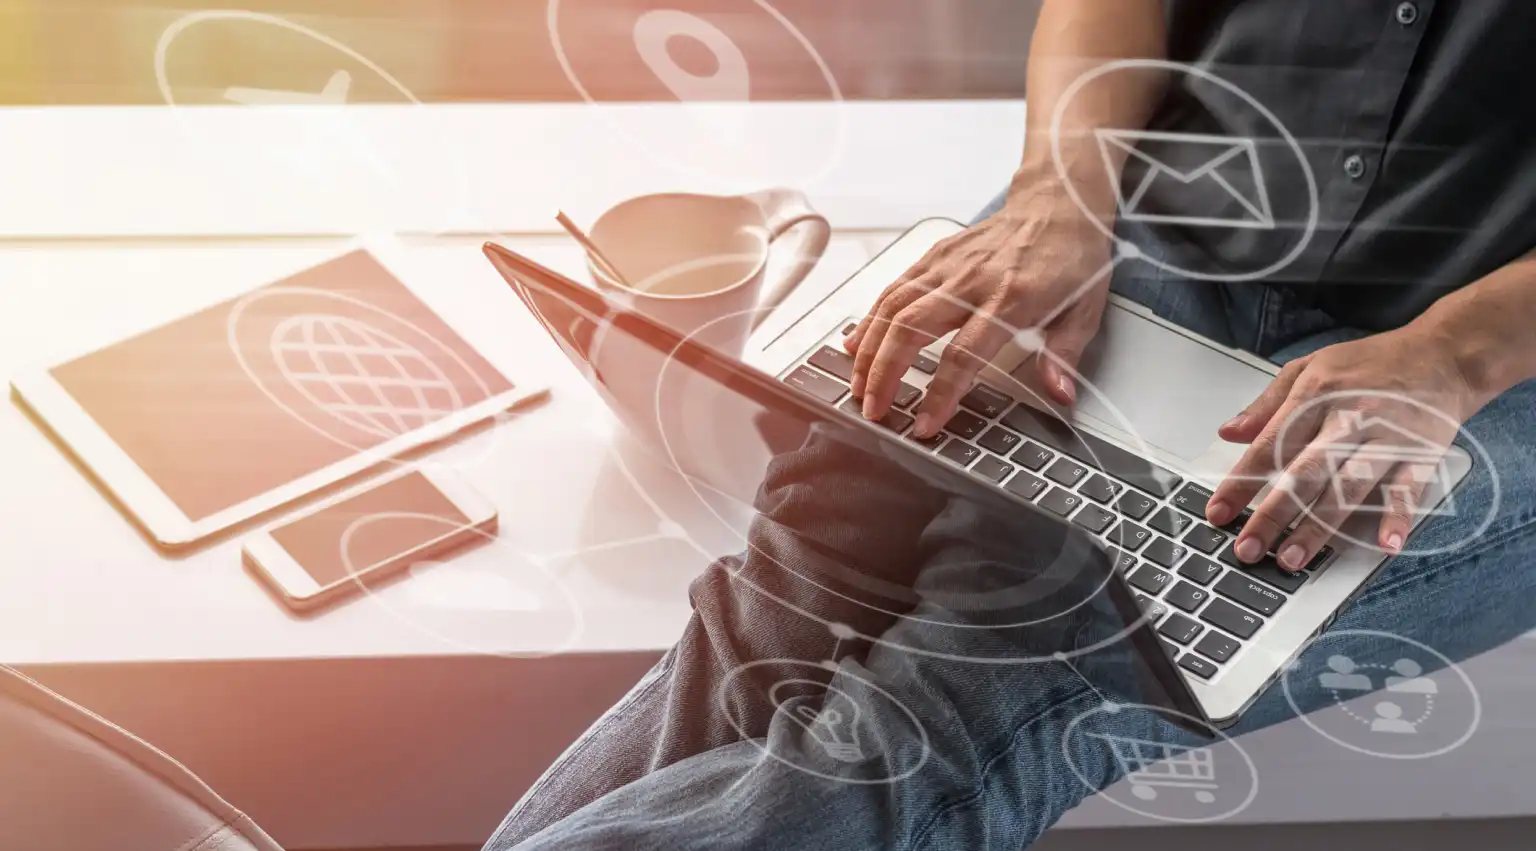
<point x="835" y="733"/>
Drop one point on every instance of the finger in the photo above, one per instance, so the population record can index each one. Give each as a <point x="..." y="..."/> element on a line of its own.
<point x="1290" y="429"/>
<point x="1064" y="346"/>
<point x="1348" y="486"/>
<point x="880" y="322"/>
<point x="1293" y="492"/>
<point x="975" y="344"/>
<point x="919" y="324"/>
<point x="852" y="341"/>
<point x="1404" y="489"/>
<point x="1249" y="422"/>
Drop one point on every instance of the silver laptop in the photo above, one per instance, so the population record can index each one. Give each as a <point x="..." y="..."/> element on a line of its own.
<point x="1132" y="465"/>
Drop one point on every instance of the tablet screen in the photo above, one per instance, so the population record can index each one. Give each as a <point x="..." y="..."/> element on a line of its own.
<point x="254" y="393"/>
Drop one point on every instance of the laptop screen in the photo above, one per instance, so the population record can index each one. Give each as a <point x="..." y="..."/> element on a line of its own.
<point x="843" y="539"/>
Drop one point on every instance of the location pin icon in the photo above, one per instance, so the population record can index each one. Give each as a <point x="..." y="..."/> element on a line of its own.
<point x="717" y="99"/>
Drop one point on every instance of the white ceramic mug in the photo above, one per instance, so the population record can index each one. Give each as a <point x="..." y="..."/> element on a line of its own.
<point x="709" y="266"/>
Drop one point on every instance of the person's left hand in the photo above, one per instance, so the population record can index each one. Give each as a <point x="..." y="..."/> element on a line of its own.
<point x="1351" y="397"/>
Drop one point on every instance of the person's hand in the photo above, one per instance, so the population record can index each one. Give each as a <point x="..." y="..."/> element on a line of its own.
<point x="1016" y="269"/>
<point x="1347" y="398"/>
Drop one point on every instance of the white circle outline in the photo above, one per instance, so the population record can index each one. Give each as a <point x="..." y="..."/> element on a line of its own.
<point x="232" y="324"/>
<point x="1461" y="431"/>
<point x="187" y="21"/>
<point x="492" y="540"/>
<point x="1110" y="709"/>
<point x="1071" y="91"/>
<point x="837" y="670"/>
<point x="1477" y="701"/>
<point x="552" y="23"/>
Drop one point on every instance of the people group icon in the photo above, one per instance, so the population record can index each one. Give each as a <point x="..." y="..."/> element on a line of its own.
<point x="1344" y="676"/>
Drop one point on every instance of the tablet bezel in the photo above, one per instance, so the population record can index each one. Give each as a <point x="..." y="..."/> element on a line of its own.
<point x="148" y="505"/>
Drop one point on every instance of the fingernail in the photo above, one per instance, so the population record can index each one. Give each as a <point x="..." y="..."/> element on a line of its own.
<point x="1235" y="422"/>
<point x="869" y="408"/>
<point x="1064" y="384"/>
<point x="1395" y="542"/>
<point x="1250" y="550"/>
<point x="1218" y="512"/>
<point x="858" y="386"/>
<point x="1293" y="556"/>
<point x="924" y="425"/>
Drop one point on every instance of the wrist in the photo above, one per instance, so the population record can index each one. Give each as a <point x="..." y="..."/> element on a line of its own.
<point x="1477" y="359"/>
<point x="1069" y="200"/>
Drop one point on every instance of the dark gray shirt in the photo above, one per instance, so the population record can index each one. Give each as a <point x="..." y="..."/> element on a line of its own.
<point x="1418" y="120"/>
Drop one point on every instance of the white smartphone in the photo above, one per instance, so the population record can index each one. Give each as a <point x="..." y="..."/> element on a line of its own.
<point x="367" y="534"/>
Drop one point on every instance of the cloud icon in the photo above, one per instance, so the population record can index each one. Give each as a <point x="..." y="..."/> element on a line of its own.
<point x="453" y="587"/>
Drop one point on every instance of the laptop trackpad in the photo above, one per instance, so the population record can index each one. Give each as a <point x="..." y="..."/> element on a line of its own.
<point x="1171" y="391"/>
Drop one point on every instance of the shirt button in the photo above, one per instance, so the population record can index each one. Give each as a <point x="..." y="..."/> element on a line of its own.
<point x="1355" y="167"/>
<point x="1407" y="13"/>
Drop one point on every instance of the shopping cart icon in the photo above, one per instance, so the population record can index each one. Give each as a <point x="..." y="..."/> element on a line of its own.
<point x="1149" y="766"/>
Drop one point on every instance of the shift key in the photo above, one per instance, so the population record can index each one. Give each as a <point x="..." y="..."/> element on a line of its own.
<point x="1240" y="589"/>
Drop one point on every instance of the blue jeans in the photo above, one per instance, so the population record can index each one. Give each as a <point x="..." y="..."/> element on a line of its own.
<point x="680" y="762"/>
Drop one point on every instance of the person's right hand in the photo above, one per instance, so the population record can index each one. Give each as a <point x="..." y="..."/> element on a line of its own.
<point x="1025" y="266"/>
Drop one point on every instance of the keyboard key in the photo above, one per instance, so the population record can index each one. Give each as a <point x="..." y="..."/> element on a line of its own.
<point x="1254" y="595"/>
<point x="831" y="360"/>
<point x="1093" y="518"/>
<point x="1192" y="498"/>
<point x="1235" y="526"/>
<point x="1187" y="596"/>
<point x="929" y="443"/>
<point x="1100" y="489"/>
<point x="1129" y="536"/>
<point x="1322" y="556"/>
<point x="1231" y="618"/>
<point x="1123" y="560"/>
<point x="1060" y="501"/>
<point x="1197" y="666"/>
<point x="986" y="401"/>
<point x="1205" y="539"/>
<point x="816" y="384"/>
<point x="1217" y="646"/>
<point x="1000" y="440"/>
<point x="1171" y="649"/>
<point x="1025" y="485"/>
<point x="1180" y="629"/>
<point x="906" y="395"/>
<point x="1153" y="609"/>
<point x="1033" y="456"/>
<point x="965" y="424"/>
<point x="1169" y="522"/>
<point x="925" y="363"/>
<point x="1117" y="462"/>
<point x="1134" y="505"/>
<point x="852" y="326"/>
<point x="1150" y="579"/>
<point x="1164" y="552"/>
<point x="1269" y="571"/>
<point x="1201" y="571"/>
<point x="960" y="452"/>
<point x="894" y="420"/>
<point x="1066" y="472"/>
<point x="993" y="468"/>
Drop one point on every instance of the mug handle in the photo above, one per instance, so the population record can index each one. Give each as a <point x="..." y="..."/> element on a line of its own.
<point x="787" y="210"/>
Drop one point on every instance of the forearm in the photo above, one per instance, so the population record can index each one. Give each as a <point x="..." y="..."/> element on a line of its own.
<point x="1490" y="328"/>
<point x="1072" y="37"/>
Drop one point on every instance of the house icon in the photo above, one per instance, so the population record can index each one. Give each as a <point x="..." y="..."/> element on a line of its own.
<point x="1423" y="459"/>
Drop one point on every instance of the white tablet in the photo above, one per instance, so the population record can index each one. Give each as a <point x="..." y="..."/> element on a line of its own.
<point x="214" y="418"/>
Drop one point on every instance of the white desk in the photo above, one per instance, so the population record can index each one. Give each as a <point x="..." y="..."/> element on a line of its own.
<point x="359" y="728"/>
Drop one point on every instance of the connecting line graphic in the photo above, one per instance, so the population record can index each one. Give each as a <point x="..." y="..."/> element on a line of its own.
<point x="1062" y="657"/>
<point x="597" y="548"/>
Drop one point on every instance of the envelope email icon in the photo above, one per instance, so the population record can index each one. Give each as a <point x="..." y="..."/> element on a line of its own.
<point x="1217" y="178"/>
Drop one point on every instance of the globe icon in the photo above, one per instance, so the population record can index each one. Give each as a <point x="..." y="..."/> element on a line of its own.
<point x="361" y="375"/>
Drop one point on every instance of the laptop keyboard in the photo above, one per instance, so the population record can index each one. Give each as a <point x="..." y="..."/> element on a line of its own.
<point x="1184" y="571"/>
